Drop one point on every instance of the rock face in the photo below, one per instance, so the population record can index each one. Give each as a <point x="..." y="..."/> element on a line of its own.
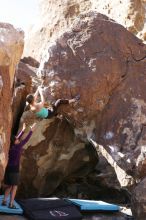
<point x="53" y="154"/>
<point x="31" y="61"/>
<point x="11" y="48"/>
<point x="131" y="14"/>
<point x="138" y="201"/>
<point x="104" y="63"/>
<point x="57" y="16"/>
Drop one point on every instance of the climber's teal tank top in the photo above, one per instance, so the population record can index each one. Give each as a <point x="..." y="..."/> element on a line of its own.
<point x="43" y="113"/>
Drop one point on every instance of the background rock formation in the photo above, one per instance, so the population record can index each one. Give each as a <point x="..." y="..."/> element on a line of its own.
<point x="23" y="86"/>
<point x="25" y="82"/>
<point x="131" y="14"/>
<point x="57" y="16"/>
<point x="11" y="48"/>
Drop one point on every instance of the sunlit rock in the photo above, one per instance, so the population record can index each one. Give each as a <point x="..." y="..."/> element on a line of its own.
<point x="11" y="48"/>
<point x="57" y="16"/>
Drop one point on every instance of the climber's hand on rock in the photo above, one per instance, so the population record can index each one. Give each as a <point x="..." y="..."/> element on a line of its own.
<point x="40" y="89"/>
<point x="33" y="126"/>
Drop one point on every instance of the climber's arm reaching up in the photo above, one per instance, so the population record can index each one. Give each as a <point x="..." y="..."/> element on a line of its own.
<point x="36" y="94"/>
<point x="41" y="103"/>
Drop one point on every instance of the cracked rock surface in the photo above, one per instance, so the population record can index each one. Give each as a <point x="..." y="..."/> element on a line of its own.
<point x="105" y="64"/>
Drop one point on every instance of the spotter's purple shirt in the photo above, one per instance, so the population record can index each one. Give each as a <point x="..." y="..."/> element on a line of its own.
<point x="16" y="150"/>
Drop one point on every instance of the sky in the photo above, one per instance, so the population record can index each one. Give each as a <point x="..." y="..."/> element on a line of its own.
<point x="21" y="13"/>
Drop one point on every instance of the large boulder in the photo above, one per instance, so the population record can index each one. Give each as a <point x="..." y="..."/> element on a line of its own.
<point x="11" y="48"/>
<point x="99" y="60"/>
<point x="104" y="63"/>
<point x="57" y="16"/>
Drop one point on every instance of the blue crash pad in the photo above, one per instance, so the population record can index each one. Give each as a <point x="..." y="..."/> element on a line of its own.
<point x="5" y="209"/>
<point x="92" y="205"/>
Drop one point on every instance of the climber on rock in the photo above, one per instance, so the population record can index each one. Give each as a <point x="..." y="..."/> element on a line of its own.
<point x="11" y="177"/>
<point x="38" y="107"/>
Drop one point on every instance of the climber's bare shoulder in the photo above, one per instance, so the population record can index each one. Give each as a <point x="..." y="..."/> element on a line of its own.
<point x="38" y="106"/>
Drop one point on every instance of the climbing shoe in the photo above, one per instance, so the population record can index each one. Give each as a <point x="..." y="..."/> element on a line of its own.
<point x="4" y="203"/>
<point x="12" y="206"/>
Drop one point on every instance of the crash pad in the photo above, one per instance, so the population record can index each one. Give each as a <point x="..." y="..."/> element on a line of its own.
<point x="5" y="209"/>
<point x="93" y="205"/>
